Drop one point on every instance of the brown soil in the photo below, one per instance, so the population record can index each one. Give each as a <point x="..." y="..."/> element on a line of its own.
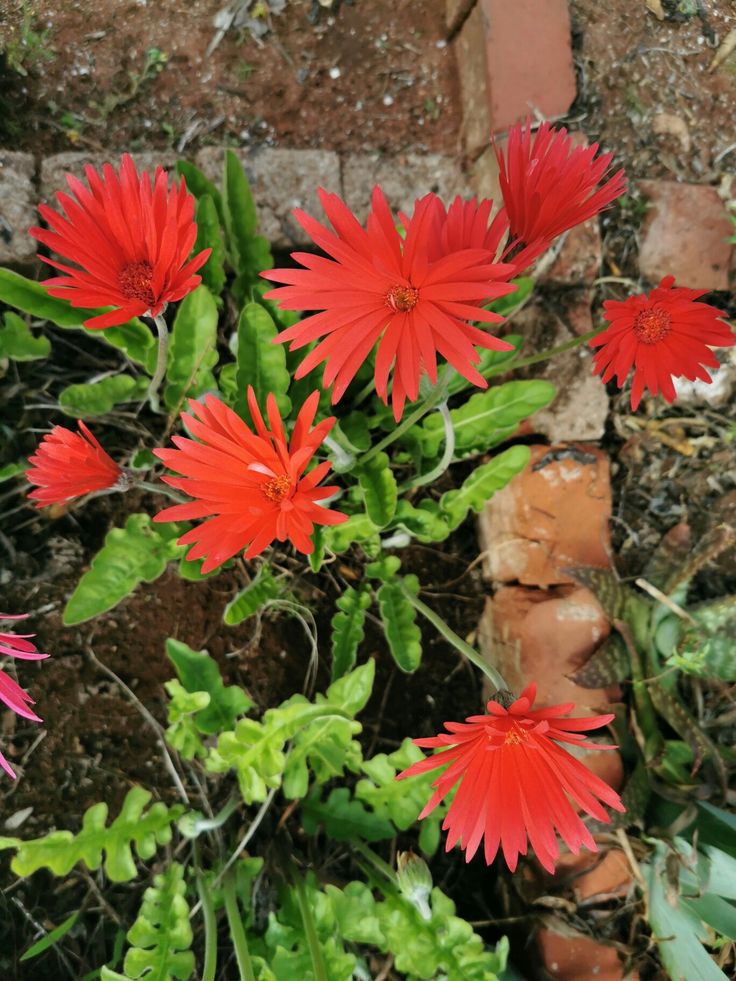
<point x="394" y="90"/>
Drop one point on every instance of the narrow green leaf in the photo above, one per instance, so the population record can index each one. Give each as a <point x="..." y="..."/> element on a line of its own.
<point x="137" y="553"/>
<point x="199" y="186"/>
<point x="423" y="521"/>
<point x="97" y="398"/>
<point x="261" y="363"/>
<point x="198" y="672"/>
<point x="490" y="361"/>
<point x="399" y="622"/>
<point x="249" y="600"/>
<point x="249" y="252"/>
<point x="505" y="305"/>
<point x="13" y="470"/>
<point x="209" y="236"/>
<point x="50" y="939"/>
<point x="193" y="348"/>
<point x="347" y="629"/>
<point x="379" y="489"/>
<point x="482" y="484"/>
<point x="18" y="343"/>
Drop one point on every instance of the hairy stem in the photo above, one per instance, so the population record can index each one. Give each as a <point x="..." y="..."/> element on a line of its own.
<point x="457" y="642"/>
<point x="444" y="463"/>
<point x="436" y="395"/>
<point x="237" y="933"/>
<point x="163" y="350"/>
<point x="501" y="369"/>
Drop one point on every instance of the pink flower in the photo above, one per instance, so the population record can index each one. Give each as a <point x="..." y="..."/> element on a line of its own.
<point x="16" y="699"/>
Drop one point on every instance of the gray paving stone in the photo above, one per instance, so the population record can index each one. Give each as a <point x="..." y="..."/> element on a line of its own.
<point x="281" y="180"/>
<point x="403" y="179"/>
<point x="17" y="208"/>
<point x="54" y="168"/>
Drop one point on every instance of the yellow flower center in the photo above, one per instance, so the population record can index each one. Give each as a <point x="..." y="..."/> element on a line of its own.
<point x="402" y="299"/>
<point x="276" y="488"/>
<point x="651" y="326"/>
<point x="515" y="736"/>
<point x="135" y="282"/>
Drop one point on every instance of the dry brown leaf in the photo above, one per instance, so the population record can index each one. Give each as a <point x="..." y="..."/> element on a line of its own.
<point x="655" y="7"/>
<point x="727" y="47"/>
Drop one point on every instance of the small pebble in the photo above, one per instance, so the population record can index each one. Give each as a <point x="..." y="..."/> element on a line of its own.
<point x="334" y="72"/>
<point x="388" y="100"/>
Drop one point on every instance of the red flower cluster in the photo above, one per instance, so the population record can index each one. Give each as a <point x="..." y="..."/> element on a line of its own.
<point x="130" y="238"/>
<point x="661" y="335"/>
<point x="515" y="782"/>
<point x="251" y="486"/>
<point x="16" y="699"/>
<point x="411" y="296"/>
<point x="67" y="465"/>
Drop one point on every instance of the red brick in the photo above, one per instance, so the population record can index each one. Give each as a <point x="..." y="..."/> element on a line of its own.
<point x="685" y="235"/>
<point x="568" y="956"/>
<point x="528" y="59"/>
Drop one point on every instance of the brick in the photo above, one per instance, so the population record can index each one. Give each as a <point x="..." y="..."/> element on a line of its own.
<point x="528" y="59"/>
<point x="403" y="179"/>
<point x="17" y="208"/>
<point x="470" y="53"/>
<point x="455" y="13"/>
<point x="53" y="169"/>
<point x="684" y="235"/>
<point x="281" y="180"/>
<point x="576" y="957"/>
<point x="553" y="515"/>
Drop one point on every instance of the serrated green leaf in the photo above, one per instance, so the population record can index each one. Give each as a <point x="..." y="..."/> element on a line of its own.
<point x="97" y="398"/>
<point x="161" y="935"/>
<point x="482" y="484"/>
<point x="182" y="732"/>
<point x="347" y="629"/>
<point x="249" y="600"/>
<point x="250" y="253"/>
<point x="379" y="489"/>
<point x="422" y="521"/>
<point x="199" y="186"/>
<point x="199" y="672"/>
<point x="18" y="343"/>
<point x="358" y="528"/>
<point x="192" y="349"/>
<point x="487" y="418"/>
<point x="209" y="236"/>
<point x="134" y="338"/>
<point x="343" y="817"/>
<point x="399" y="622"/>
<point x="137" y="553"/>
<point x="384" y="568"/>
<point x="716" y="637"/>
<point x="60" y="851"/>
<point x="50" y="939"/>
<point x="613" y="596"/>
<point x="261" y="363"/>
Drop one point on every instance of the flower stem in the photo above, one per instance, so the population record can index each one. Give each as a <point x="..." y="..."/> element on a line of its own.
<point x="444" y="463"/>
<point x="237" y="933"/>
<point x="315" y="950"/>
<point x="457" y="642"/>
<point x="210" y="928"/>
<point x="501" y="369"/>
<point x="163" y="350"/>
<point x="437" y="394"/>
<point x="161" y="489"/>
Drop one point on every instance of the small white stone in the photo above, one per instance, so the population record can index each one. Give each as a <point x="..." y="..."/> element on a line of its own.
<point x="335" y="72"/>
<point x="388" y="100"/>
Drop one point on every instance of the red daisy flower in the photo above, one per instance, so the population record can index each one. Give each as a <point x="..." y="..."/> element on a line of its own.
<point x="16" y="699"/>
<point x="68" y="464"/>
<point x="250" y="485"/>
<point x="515" y="782"/>
<point x="131" y="239"/>
<point x="412" y="295"/>
<point x="549" y="186"/>
<point x="660" y="335"/>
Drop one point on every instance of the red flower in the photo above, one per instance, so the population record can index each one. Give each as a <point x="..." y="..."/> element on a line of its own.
<point x="412" y="296"/>
<point x="549" y="186"/>
<point x="514" y="781"/>
<point x="250" y="485"/>
<point x="68" y="464"/>
<point x="660" y="335"/>
<point x="131" y="239"/>
<point x="16" y="699"/>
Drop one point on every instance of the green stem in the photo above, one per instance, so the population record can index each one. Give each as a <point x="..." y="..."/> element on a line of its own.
<point x="163" y="349"/>
<point x="457" y="642"/>
<point x="552" y="352"/>
<point x="438" y="394"/>
<point x="315" y="950"/>
<point x="210" y="927"/>
<point x="234" y="919"/>
<point x="376" y="861"/>
<point x="161" y="489"/>
<point x="435" y="472"/>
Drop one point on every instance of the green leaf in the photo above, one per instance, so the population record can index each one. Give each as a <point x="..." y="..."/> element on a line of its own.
<point x="250" y="253"/>
<point x="261" y="363"/>
<point x="505" y="305"/>
<point x="161" y="935"/>
<point x="97" y="398"/>
<point x="717" y="827"/>
<point x="134" y="338"/>
<point x="209" y="236"/>
<point x="183" y="733"/>
<point x="399" y="622"/>
<point x="199" y="672"/>
<point x="11" y="470"/>
<point x="482" y="484"/>
<point x="384" y="568"/>
<point x="50" y="939"/>
<point x="347" y="629"/>
<point x="18" y="343"/>
<point x="193" y="348"/>
<point x="487" y="418"/>
<point x="716" y="637"/>
<point x="343" y="817"/>
<point x="249" y="600"/>
<point x="358" y="528"/>
<point x="490" y="361"/>
<point x="608" y="665"/>
<point x="137" y="553"/>
<point x="60" y="851"/>
<point x="379" y="489"/>
<point x="423" y="521"/>
<point x="199" y="186"/>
